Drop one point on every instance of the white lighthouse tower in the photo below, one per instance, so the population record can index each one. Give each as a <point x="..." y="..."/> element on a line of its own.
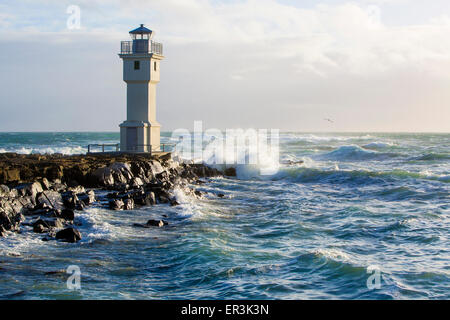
<point x="141" y="59"/>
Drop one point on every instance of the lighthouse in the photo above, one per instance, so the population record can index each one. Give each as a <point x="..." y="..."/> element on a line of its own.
<point x="141" y="56"/>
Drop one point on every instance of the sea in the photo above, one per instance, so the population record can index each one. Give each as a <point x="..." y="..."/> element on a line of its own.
<point x="345" y="216"/>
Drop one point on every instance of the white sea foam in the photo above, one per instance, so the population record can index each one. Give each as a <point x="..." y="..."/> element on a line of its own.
<point x="15" y="244"/>
<point x="46" y="150"/>
<point x="94" y="225"/>
<point x="334" y="254"/>
<point x="188" y="204"/>
<point x="378" y="145"/>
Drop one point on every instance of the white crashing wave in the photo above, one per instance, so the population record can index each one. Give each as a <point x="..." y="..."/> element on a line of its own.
<point x="378" y="145"/>
<point x="46" y="150"/>
<point x="352" y="152"/>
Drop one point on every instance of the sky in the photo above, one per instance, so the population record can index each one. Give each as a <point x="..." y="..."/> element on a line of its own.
<point x="378" y="65"/>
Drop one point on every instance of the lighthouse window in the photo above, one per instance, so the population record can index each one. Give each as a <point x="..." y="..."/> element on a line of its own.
<point x="154" y="65"/>
<point x="136" y="65"/>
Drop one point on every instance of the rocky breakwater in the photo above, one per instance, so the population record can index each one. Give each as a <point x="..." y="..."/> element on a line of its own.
<point x="44" y="192"/>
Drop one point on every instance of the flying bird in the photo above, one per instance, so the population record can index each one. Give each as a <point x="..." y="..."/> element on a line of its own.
<point x="329" y="120"/>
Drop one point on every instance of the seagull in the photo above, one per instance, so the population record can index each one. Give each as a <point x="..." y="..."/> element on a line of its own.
<point x="329" y="120"/>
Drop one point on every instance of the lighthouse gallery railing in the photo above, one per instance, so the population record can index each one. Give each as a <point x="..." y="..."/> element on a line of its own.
<point x="141" y="46"/>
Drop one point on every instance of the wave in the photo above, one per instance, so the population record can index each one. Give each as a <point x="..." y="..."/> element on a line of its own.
<point x="378" y="145"/>
<point x="303" y="174"/>
<point x="433" y="156"/>
<point x="46" y="150"/>
<point x="354" y="152"/>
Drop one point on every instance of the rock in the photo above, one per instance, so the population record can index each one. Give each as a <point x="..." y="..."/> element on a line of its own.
<point x="44" y="225"/>
<point x="53" y="199"/>
<point x="87" y="198"/>
<point x="103" y="177"/>
<point x="151" y="197"/>
<point x="122" y="187"/>
<point x="174" y="202"/>
<point x="112" y="195"/>
<point x="156" y="223"/>
<point x="4" y="190"/>
<point x="220" y="195"/>
<point x="136" y="182"/>
<point x="56" y="223"/>
<point x="13" y="193"/>
<point x="163" y="199"/>
<point x="40" y="226"/>
<point x="27" y="204"/>
<point x="71" y="201"/>
<point x="198" y="193"/>
<point x="29" y="189"/>
<point x="144" y="198"/>
<point x="11" y="175"/>
<point x="69" y="235"/>
<point x="116" y="204"/>
<point x="231" y="172"/>
<point x="68" y="214"/>
<point x="58" y="186"/>
<point x="10" y="214"/>
<point x="54" y="172"/>
<point x="45" y="184"/>
<point x="128" y="204"/>
<point x="2" y="231"/>
<point x="77" y="189"/>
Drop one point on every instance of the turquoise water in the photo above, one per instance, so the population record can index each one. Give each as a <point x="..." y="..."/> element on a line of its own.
<point x="308" y="231"/>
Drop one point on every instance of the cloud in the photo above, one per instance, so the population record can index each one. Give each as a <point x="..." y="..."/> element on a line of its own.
<point x="248" y="58"/>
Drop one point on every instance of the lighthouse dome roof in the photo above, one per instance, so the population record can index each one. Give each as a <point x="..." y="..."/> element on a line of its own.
<point x="141" y="30"/>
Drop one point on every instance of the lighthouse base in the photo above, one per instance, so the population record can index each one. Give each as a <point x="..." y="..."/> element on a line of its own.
<point x="139" y="136"/>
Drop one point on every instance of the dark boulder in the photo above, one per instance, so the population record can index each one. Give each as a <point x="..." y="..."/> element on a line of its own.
<point x="116" y="204"/>
<point x="162" y="198"/>
<point x="144" y="198"/>
<point x="231" y="172"/>
<point x="68" y="214"/>
<point x="69" y="235"/>
<point x="40" y="226"/>
<point x="45" y="225"/>
<point x="5" y="221"/>
<point x="156" y="223"/>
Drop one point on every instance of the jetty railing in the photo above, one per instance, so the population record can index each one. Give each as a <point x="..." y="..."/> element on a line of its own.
<point x="142" y="46"/>
<point x="103" y="146"/>
<point x="163" y="147"/>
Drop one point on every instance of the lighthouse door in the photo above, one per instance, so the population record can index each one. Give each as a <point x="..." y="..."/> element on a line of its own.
<point x="132" y="139"/>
